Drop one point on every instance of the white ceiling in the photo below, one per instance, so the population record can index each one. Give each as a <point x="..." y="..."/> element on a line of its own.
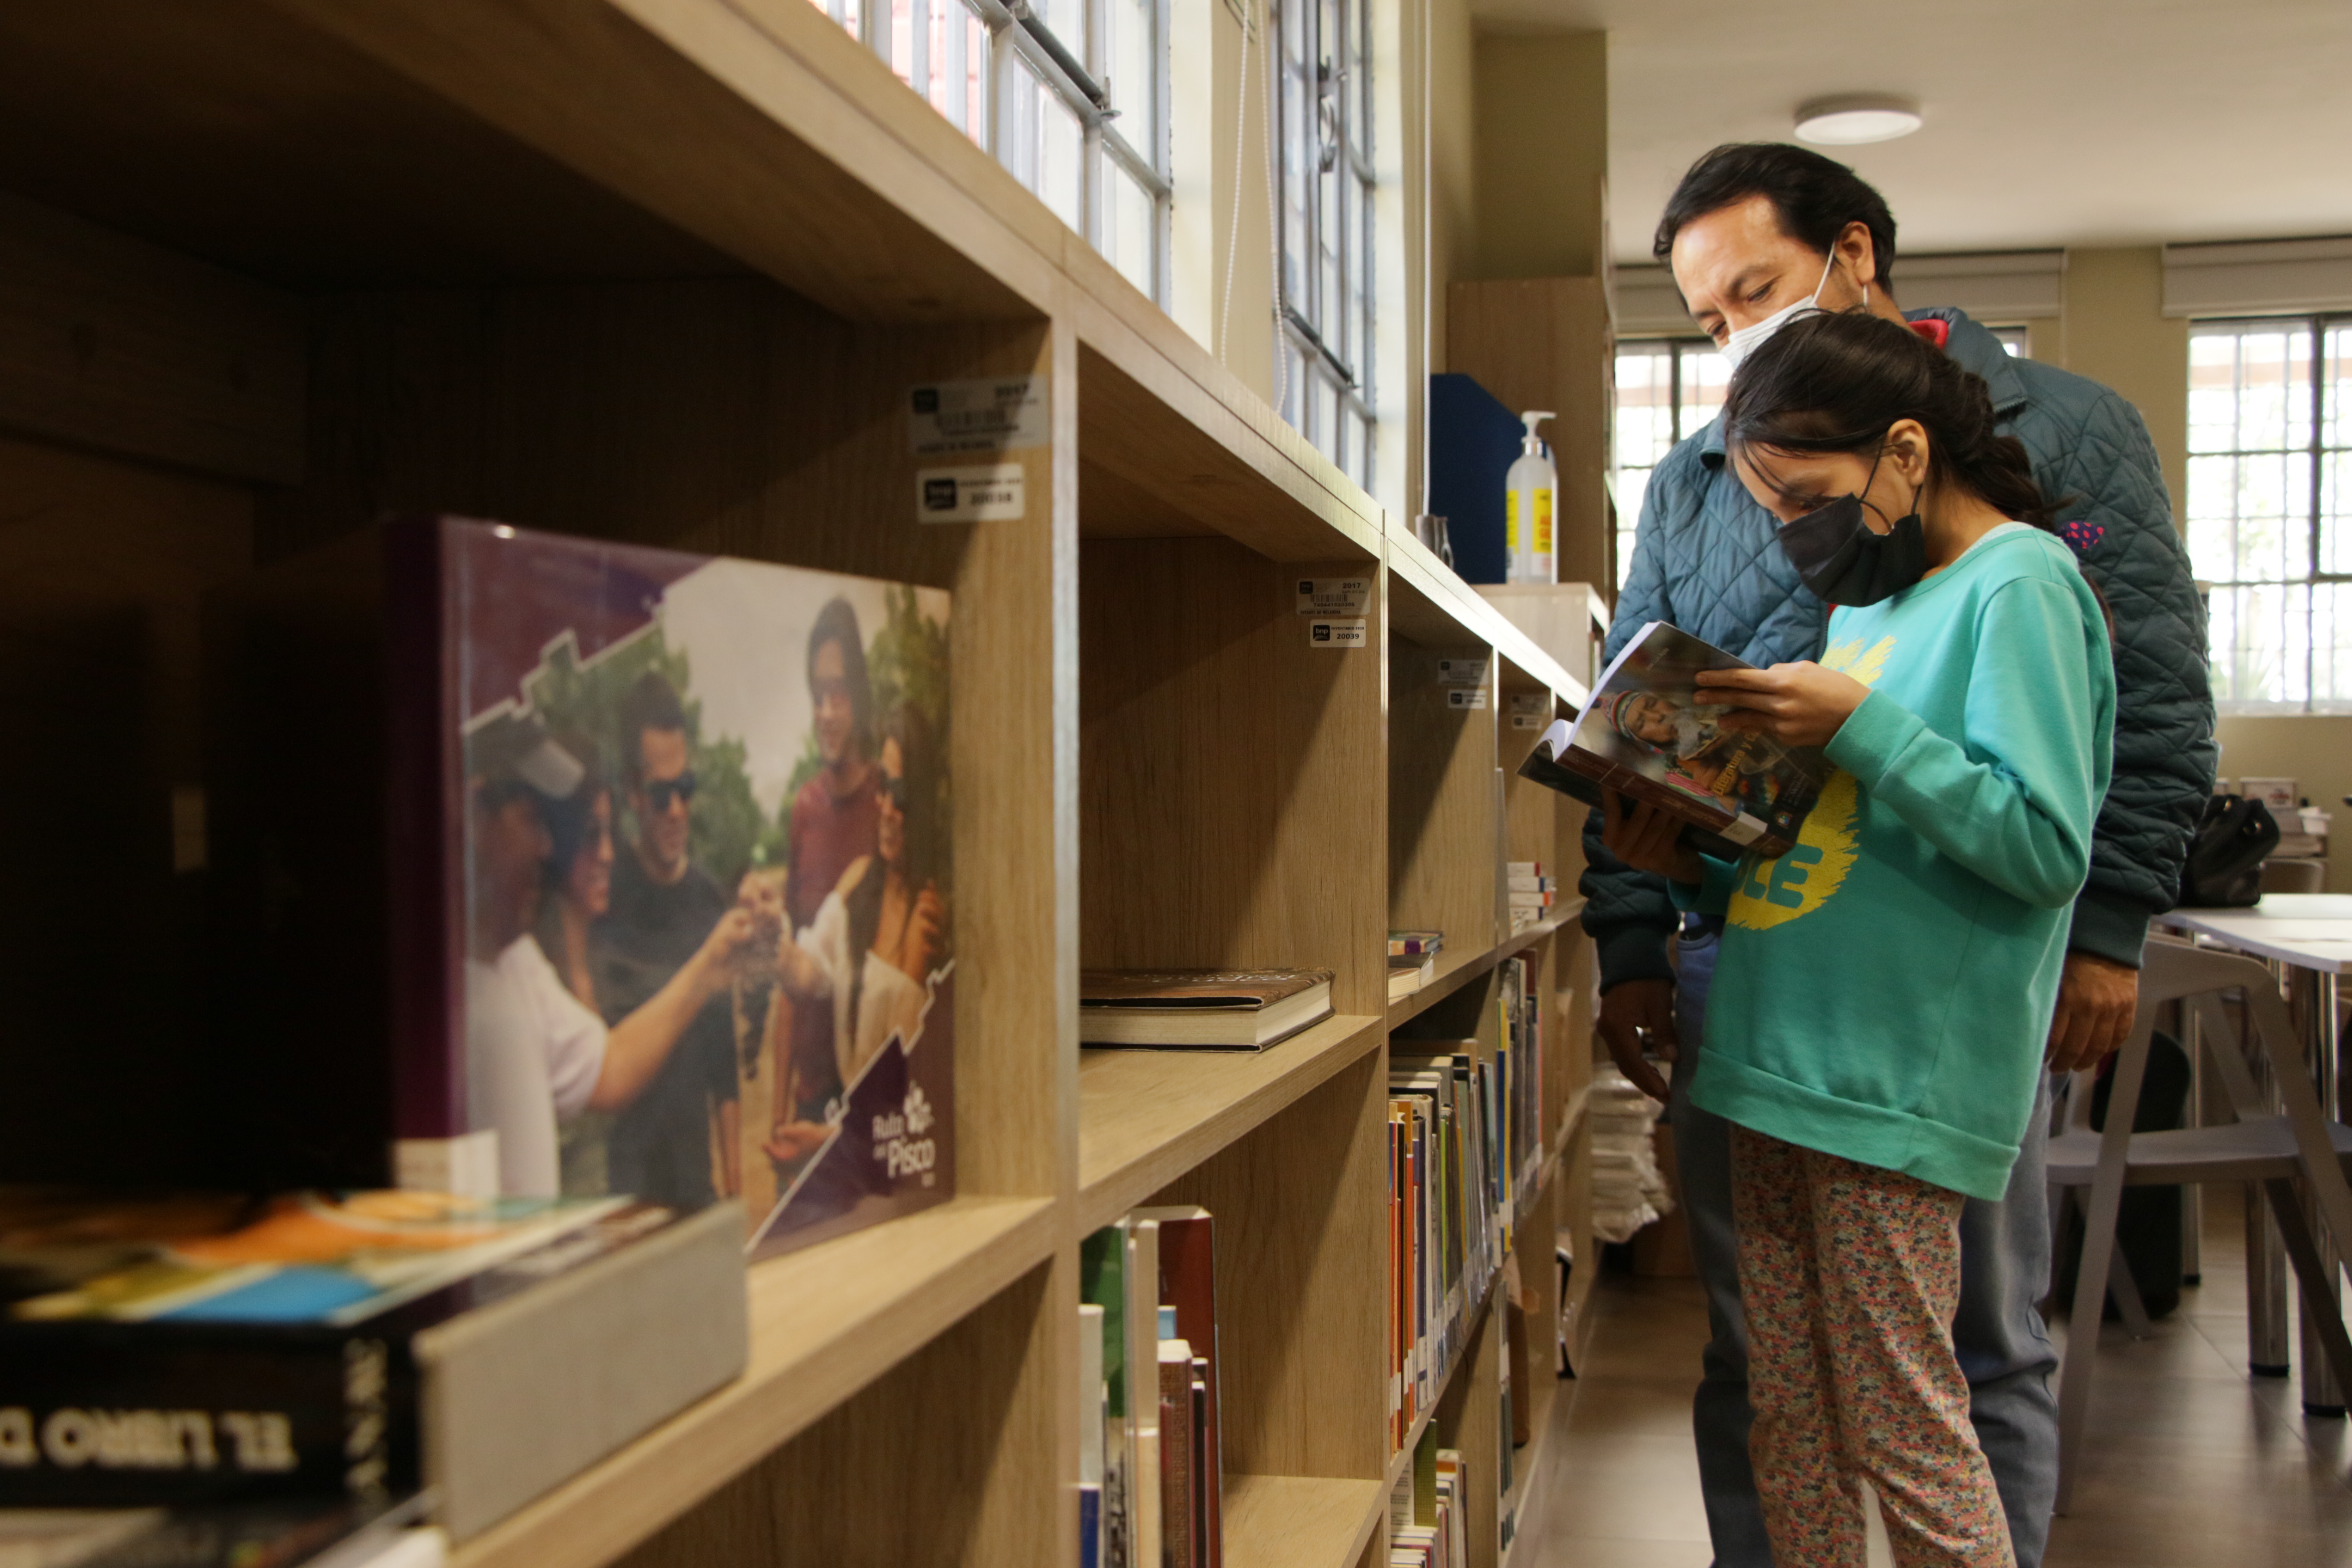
<point x="2048" y="121"/>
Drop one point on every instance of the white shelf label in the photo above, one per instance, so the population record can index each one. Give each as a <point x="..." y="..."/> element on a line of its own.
<point x="991" y="493"/>
<point x="1466" y="697"/>
<point x="1342" y="633"/>
<point x="1341" y="596"/>
<point x="996" y="414"/>
<point x="1463" y="672"/>
<point x="1529" y="709"/>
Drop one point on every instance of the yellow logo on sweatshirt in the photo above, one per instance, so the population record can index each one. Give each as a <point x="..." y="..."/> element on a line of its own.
<point x="1774" y="892"/>
<point x="1849" y="657"/>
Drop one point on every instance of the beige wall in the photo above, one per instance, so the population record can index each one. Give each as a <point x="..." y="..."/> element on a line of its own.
<point x="2314" y="750"/>
<point x="2114" y="331"/>
<point x="1542" y="154"/>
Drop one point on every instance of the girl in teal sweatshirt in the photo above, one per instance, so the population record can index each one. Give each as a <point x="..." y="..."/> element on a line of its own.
<point x="1884" y="989"/>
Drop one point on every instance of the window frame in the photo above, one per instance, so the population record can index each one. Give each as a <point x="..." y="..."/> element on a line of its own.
<point x="2316" y="452"/>
<point x="1021" y="44"/>
<point x="1682" y="346"/>
<point x="1328" y="348"/>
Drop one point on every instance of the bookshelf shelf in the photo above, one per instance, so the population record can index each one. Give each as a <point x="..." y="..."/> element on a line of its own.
<point x="1299" y="1521"/>
<point x="665" y="271"/>
<point x="826" y="1322"/>
<point x="1147" y="1116"/>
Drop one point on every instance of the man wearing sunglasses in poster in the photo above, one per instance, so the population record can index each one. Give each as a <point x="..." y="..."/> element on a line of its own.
<point x="663" y="908"/>
<point x="1755" y="235"/>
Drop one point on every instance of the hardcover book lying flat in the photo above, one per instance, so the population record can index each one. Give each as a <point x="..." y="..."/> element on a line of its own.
<point x="1230" y="1008"/>
<point x="608" y="869"/>
<point x="217" y="1348"/>
<point x="1646" y="735"/>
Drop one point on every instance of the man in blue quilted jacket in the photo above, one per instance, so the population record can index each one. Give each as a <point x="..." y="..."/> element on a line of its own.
<point x="1752" y="230"/>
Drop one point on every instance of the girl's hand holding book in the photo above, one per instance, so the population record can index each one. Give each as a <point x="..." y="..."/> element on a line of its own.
<point x="1796" y="704"/>
<point x="1648" y="838"/>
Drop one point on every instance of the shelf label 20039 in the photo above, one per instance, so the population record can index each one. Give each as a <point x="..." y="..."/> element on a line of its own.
<point x="988" y="492"/>
<point x="1341" y="632"/>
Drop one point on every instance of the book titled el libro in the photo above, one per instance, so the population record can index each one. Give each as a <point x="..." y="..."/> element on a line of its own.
<point x="1647" y="734"/>
<point x="218" y="1348"/>
<point x="607" y="869"/>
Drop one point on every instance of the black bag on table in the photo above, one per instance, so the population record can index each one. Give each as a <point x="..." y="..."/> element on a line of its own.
<point x="2224" y="869"/>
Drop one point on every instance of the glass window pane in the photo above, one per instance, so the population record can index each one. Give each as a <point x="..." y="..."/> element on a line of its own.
<point x="1127" y="64"/>
<point x="1061" y="144"/>
<point x="1706" y="377"/>
<point x="1127" y="229"/>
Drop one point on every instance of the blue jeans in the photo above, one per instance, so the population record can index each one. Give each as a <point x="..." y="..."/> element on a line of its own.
<point x="1998" y="1333"/>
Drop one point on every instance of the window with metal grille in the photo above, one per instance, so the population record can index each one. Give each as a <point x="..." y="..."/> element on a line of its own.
<point x="1327" y="181"/>
<point x="1070" y="95"/>
<point x="2269" y="488"/>
<point x="1667" y="388"/>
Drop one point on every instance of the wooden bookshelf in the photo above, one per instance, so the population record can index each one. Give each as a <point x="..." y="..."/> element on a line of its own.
<point x="664" y="271"/>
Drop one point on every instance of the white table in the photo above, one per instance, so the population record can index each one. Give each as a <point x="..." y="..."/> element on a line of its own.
<point x="2306" y="938"/>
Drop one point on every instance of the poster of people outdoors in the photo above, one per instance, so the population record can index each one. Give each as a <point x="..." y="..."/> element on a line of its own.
<point x="710" y="889"/>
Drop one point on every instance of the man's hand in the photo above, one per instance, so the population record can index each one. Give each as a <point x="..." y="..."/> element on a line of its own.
<point x="1647" y="837"/>
<point x="1796" y="704"/>
<point x="2097" y="998"/>
<point x="1630" y="1009"/>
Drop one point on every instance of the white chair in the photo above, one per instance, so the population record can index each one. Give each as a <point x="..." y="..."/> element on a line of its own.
<point x="2261" y="1146"/>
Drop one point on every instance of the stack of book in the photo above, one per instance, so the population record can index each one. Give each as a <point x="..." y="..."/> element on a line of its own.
<point x="1429" y="1521"/>
<point x="1519" y="1075"/>
<point x="1151" y="1460"/>
<point x="1413" y="960"/>
<point x="346" y="1352"/>
<point x="1445" y="1236"/>
<point x="1531" y="892"/>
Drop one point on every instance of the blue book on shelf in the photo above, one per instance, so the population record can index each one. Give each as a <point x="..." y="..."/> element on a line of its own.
<point x="1473" y="442"/>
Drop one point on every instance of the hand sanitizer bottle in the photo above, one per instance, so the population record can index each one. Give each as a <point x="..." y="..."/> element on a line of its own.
<point x="1527" y="508"/>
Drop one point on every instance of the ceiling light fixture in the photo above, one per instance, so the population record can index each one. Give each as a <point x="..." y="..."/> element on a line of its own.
<point x="1857" y="117"/>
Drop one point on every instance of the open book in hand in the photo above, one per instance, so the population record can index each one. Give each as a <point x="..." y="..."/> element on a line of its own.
<point x="1646" y="734"/>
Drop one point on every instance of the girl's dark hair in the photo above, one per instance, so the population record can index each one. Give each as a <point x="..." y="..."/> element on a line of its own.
<point x="1838" y="383"/>
<point x="1815" y="196"/>
<point x="918" y="779"/>
<point x="837" y="623"/>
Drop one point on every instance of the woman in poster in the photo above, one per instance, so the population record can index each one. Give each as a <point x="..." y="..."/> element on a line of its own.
<point x="881" y="933"/>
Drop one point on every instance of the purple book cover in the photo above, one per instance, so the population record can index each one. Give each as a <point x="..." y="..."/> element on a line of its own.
<point x="672" y="876"/>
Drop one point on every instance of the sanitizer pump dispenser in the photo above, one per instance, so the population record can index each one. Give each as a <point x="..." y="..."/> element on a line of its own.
<point x="1527" y="508"/>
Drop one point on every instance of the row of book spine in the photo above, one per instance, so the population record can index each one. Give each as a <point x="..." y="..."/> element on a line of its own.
<point x="1150" y="1464"/>
<point x="1465" y="1151"/>
<point x="1429" y="1516"/>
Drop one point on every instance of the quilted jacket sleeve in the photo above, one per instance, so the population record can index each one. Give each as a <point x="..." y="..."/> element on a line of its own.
<point x="2118" y="517"/>
<point x="1629" y="914"/>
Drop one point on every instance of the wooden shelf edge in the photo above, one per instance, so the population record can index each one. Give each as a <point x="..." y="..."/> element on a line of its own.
<point x="1231" y="1093"/>
<point x="1476" y="619"/>
<point x="826" y="1322"/>
<point x="1451" y="977"/>
<point x="1299" y="1521"/>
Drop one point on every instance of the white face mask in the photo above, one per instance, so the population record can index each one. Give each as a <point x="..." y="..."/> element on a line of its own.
<point x="1748" y="339"/>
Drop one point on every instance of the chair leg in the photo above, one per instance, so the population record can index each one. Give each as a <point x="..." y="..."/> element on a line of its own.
<point x="2126" y="1291"/>
<point x="2319" y="1309"/>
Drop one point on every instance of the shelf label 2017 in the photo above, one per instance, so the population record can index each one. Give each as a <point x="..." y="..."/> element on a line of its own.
<point x="1346" y="632"/>
<point x="992" y="493"/>
<point x="995" y="413"/>
<point x="1341" y="597"/>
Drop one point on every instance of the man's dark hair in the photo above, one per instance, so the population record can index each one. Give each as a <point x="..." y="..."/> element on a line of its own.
<point x="1815" y="196"/>
<point x="837" y="624"/>
<point x="651" y="704"/>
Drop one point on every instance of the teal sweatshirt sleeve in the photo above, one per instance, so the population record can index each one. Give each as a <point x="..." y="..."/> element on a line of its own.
<point x="2015" y="802"/>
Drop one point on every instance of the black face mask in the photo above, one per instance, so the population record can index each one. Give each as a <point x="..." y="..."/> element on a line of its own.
<point x="1843" y="563"/>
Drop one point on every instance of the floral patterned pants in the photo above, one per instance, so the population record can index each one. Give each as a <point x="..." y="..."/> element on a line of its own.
<point x="1850" y="1275"/>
